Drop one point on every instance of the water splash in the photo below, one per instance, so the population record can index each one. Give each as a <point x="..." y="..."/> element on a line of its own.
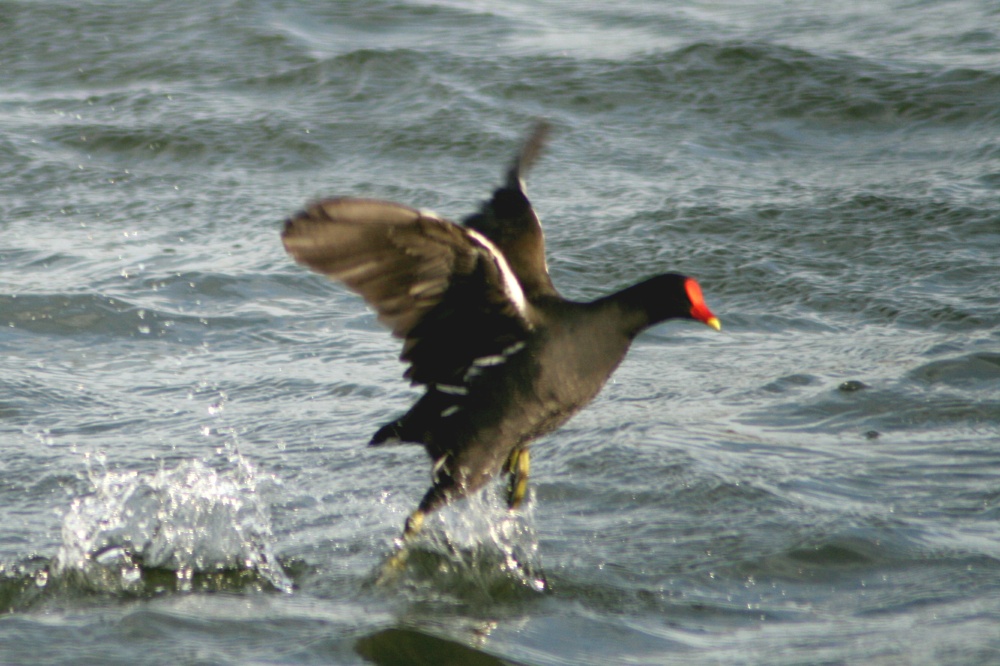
<point x="174" y="526"/>
<point x="475" y="551"/>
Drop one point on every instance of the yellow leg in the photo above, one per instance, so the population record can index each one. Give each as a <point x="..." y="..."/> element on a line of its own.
<point x="518" y="466"/>
<point x="397" y="560"/>
<point x="413" y="524"/>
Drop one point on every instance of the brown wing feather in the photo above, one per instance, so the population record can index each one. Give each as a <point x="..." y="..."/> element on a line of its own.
<point x="442" y="287"/>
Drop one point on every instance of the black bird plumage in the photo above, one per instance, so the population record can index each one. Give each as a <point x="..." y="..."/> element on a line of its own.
<point x="504" y="358"/>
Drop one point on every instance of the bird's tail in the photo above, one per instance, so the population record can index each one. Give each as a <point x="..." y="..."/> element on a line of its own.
<point x="531" y="149"/>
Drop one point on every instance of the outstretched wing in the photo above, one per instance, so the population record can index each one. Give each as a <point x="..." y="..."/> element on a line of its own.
<point x="446" y="290"/>
<point x="509" y="221"/>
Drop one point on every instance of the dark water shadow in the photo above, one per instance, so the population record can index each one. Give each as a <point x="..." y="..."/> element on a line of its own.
<point x="409" y="647"/>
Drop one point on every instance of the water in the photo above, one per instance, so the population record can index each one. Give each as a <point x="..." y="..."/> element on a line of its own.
<point x="183" y="410"/>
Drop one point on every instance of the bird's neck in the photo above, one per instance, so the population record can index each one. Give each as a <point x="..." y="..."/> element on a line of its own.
<point x="647" y="303"/>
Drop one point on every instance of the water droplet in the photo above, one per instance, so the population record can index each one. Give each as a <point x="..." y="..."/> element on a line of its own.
<point x="853" y="385"/>
<point x="42" y="578"/>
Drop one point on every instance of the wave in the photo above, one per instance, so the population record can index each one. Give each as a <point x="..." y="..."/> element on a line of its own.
<point x="716" y="78"/>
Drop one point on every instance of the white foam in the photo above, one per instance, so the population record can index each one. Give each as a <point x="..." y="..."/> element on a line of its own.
<point x="188" y="519"/>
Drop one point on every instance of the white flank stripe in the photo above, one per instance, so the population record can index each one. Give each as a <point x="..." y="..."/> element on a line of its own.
<point x="514" y="348"/>
<point x="489" y="360"/>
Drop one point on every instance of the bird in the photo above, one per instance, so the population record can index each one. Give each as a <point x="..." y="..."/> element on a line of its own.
<point x="503" y="358"/>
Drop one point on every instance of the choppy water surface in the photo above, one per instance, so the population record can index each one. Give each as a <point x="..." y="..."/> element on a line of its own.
<point x="183" y="410"/>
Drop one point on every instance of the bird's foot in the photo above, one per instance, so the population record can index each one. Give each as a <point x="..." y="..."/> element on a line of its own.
<point x="396" y="562"/>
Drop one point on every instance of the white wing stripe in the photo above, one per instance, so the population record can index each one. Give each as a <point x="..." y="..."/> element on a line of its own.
<point x="511" y="287"/>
